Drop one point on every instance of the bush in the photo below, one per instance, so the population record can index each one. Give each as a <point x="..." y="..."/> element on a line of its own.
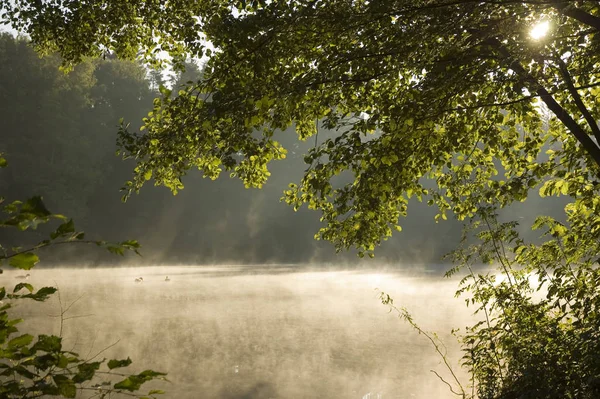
<point x="33" y="367"/>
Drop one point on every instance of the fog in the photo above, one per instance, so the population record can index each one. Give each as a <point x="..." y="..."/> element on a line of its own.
<point x="276" y="331"/>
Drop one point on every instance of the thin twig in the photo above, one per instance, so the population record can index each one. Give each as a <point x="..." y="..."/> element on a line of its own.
<point x="447" y="383"/>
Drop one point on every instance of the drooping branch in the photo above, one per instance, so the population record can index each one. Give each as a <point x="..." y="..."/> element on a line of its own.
<point x="566" y="8"/>
<point x="580" y="134"/>
<point x="570" y="123"/>
<point x="577" y="98"/>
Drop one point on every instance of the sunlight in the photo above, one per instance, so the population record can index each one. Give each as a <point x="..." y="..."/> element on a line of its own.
<point x="539" y="30"/>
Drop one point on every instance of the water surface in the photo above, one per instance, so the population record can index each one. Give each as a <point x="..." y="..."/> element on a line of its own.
<point x="257" y="332"/>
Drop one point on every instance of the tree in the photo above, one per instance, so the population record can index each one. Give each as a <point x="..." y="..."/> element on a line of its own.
<point x="191" y="73"/>
<point x="416" y="89"/>
<point x="539" y="324"/>
<point x="59" y="134"/>
<point x="454" y="91"/>
<point x="52" y="120"/>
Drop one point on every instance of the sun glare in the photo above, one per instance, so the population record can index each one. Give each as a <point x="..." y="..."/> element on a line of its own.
<point x="539" y="30"/>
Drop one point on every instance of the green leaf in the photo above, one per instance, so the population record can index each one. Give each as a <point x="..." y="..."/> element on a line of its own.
<point x="150" y="374"/>
<point x="35" y="206"/>
<point x="131" y="383"/>
<point x="117" y="250"/>
<point x="14" y="322"/>
<point x="22" y="371"/>
<point x="3" y="162"/>
<point x="48" y="343"/>
<point x="134" y="382"/>
<point x="64" y="229"/>
<point x="46" y="361"/>
<point x="50" y="390"/>
<point x="130" y="244"/>
<point x="86" y="371"/>
<point x="165" y="91"/>
<point x="24" y="261"/>
<point x="23" y="285"/>
<point x="20" y="341"/>
<point x="114" y="363"/>
<point x="66" y="386"/>
<point x="42" y="294"/>
<point x="63" y="362"/>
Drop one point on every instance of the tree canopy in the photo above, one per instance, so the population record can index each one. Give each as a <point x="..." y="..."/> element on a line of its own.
<point x="454" y="91"/>
<point x="59" y="135"/>
<point x="458" y="92"/>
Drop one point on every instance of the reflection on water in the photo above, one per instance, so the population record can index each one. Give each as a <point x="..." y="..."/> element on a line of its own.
<point x="257" y="332"/>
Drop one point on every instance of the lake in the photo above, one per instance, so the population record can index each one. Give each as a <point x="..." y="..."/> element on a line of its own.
<point x="257" y="332"/>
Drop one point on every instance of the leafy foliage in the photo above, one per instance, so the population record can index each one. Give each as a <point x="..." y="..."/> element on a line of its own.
<point x="59" y="117"/>
<point x="540" y="326"/>
<point x="416" y="89"/>
<point x="32" y="367"/>
<point x="538" y="329"/>
<point x="455" y="92"/>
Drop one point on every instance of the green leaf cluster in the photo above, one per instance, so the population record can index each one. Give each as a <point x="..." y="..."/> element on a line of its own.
<point x="538" y="308"/>
<point x="40" y="367"/>
<point x="457" y="93"/>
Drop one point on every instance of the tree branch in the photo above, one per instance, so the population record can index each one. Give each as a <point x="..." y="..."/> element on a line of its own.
<point x="47" y="244"/>
<point x="447" y="383"/>
<point x="577" y="98"/>
<point x="580" y="134"/>
<point x="566" y="8"/>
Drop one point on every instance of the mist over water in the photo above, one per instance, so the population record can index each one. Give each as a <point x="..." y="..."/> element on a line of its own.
<point x="254" y="332"/>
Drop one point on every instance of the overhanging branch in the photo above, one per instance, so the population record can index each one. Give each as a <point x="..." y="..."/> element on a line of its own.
<point x="577" y="98"/>
<point x="580" y="134"/>
<point x="566" y="8"/>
